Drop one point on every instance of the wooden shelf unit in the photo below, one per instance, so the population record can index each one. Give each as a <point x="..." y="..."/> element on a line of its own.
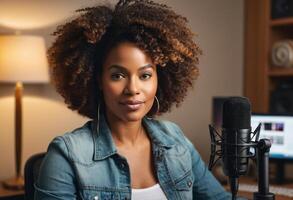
<point x="282" y="22"/>
<point x="261" y="32"/>
<point x="280" y="72"/>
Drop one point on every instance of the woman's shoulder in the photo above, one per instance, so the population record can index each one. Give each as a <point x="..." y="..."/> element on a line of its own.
<point x="83" y="133"/>
<point x="171" y="130"/>
<point x="75" y="142"/>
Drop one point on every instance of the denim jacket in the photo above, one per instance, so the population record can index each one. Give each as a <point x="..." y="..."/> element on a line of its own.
<point x="84" y="164"/>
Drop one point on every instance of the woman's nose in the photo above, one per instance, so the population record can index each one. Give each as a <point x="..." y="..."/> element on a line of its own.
<point x="132" y="87"/>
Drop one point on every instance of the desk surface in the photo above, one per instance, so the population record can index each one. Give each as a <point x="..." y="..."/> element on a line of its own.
<point x="10" y="194"/>
<point x="249" y="195"/>
<point x="4" y="193"/>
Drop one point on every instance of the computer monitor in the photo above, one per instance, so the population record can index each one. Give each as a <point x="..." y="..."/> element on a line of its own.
<point x="279" y="129"/>
<point x="217" y="110"/>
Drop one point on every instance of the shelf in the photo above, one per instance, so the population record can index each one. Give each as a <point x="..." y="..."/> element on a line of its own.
<point x="261" y="32"/>
<point x="280" y="72"/>
<point x="288" y="21"/>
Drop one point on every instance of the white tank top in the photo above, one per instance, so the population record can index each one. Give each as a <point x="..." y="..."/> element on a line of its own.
<point x="154" y="192"/>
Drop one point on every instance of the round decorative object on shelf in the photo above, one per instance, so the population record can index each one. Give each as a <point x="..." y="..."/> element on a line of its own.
<point x="282" y="53"/>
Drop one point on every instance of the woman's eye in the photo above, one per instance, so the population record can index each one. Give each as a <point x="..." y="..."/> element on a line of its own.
<point x="146" y="76"/>
<point x="116" y="77"/>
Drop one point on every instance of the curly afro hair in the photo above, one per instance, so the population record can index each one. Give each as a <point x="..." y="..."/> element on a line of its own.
<point x="77" y="55"/>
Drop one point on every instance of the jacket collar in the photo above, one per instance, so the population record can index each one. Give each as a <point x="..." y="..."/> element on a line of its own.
<point x="104" y="145"/>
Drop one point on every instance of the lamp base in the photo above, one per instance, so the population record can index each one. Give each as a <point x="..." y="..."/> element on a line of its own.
<point x="14" y="183"/>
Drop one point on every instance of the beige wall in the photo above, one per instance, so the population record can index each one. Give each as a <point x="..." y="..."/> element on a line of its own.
<point x="220" y="28"/>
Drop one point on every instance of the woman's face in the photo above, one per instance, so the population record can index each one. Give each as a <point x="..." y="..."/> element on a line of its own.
<point x="129" y="82"/>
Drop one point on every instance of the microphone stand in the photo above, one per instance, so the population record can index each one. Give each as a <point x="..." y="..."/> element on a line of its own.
<point x="263" y="149"/>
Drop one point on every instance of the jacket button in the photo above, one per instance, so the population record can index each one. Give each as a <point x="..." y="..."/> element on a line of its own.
<point x="96" y="198"/>
<point x="189" y="183"/>
<point x="122" y="165"/>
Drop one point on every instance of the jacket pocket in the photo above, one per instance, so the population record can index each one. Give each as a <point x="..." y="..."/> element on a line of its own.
<point x="100" y="195"/>
<point x="184" y="186"/>
<point x="178" y="161"/>
<point x="184" y="183"/>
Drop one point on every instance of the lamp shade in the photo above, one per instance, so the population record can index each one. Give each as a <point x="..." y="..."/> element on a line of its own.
<point x="23" y="58"/>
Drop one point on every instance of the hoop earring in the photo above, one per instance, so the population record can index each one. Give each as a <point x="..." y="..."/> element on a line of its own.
<point x="158" y="107"/>
<point x="98" y="115"/>
<point x="100" y="97"/>
<point x="98" y="119"/>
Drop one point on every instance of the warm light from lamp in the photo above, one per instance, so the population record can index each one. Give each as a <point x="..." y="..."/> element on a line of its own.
<point x="23" y="58"/>
<point x="37" y="14"/>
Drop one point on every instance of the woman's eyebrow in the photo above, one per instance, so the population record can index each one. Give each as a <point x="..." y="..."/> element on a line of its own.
<point x="125" y="69"/>
<point x="146" y="66"/>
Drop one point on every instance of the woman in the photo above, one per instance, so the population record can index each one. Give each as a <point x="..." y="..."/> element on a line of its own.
<point x="121" y="67"/>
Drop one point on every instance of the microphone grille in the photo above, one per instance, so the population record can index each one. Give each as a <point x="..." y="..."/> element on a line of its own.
<point x="236" y="113"/>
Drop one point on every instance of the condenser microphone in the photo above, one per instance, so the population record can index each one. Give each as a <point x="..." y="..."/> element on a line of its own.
<point x="236" y="131"/>
<point x="235" y="143"/>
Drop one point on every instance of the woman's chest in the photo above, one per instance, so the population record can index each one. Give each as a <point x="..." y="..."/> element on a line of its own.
<point x="112" y="178"/>
<point x="140" y="164"/>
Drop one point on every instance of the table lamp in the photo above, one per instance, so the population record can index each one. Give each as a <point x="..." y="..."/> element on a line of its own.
<point x="22" y="60"/>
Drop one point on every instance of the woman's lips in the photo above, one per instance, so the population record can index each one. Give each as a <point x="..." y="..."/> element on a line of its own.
<point x="132" y="105"/>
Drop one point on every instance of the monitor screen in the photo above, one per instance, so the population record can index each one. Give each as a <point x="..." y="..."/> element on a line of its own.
<point x="279" y="129"/>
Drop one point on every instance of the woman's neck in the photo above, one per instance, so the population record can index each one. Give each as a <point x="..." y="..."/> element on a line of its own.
<point x="125" y="133"/>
